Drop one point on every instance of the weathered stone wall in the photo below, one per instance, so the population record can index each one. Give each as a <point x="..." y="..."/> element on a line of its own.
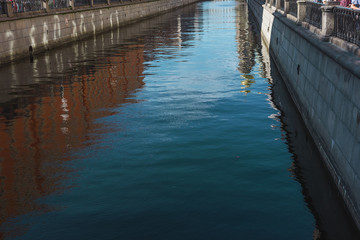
<point x="324" y="82"/>
<point x="38" y="33"/>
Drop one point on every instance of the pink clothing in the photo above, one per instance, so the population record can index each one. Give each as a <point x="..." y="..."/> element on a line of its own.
<point x="345" y="3"/>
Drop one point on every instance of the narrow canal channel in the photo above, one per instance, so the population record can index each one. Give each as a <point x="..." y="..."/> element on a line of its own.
<point x="177" y="127"/>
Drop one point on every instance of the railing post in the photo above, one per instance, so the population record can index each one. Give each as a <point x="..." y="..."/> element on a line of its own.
<point x="91" y="3"/>
<point x="10" y="12"/>
<point x="328" y="19"/>
<point x="46" y="7"/>
<point x="286" y="6"/>
<point x="277" y="4"/>
<point x="301" y="10"/>
<point x="108" y="2"/>
<point x="72" y="4"/>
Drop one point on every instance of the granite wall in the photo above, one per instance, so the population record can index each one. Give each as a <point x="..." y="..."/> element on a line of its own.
<point x="324" y="81"/>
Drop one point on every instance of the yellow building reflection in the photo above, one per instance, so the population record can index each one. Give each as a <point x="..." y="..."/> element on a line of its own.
<point x="247" y="82"/>
<point x="246" y="46"/>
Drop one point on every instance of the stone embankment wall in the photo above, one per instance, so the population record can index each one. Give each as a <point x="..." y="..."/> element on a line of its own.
<point x="19" y="37"/>
<point x="324" y="82"/>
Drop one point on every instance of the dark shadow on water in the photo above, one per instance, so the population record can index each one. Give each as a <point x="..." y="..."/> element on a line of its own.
<point x="332" y="219"/>
<point x="321" y="195"/>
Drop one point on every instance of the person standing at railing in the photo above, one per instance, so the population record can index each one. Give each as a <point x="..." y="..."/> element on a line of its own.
<point x="14" y="6"/>
<point x="355" y="4"/>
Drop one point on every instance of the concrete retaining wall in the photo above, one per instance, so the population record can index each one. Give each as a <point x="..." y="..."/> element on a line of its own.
<point x="324" y="82"/>
<point x="18" y="37"/>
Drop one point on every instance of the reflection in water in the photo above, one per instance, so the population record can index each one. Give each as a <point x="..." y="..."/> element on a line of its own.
<point x="332" y="221"/>
<point x="49" y="107"/>
<point x="246" y="46"/>
<point x="249" y="80"/>
<point x="198" y="158"/>
<point x="36" y="131"/>
<point x="320" y="194"/>
<point x="246" y="39"/>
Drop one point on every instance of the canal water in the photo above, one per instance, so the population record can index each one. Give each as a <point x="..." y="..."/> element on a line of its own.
<point x="177" y="127"/>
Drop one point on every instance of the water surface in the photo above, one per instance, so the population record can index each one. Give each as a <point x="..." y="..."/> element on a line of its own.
<point x="177" y="127"/>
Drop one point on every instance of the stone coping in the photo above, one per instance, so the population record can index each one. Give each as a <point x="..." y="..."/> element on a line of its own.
<point x="345" y="53"/>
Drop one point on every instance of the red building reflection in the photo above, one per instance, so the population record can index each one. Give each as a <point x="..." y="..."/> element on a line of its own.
<point x="41" y="129"/>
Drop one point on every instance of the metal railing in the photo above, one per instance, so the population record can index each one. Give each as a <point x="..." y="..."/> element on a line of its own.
<point x="314" y="14"/>
<point x="120" y="1"/>
<point x="282" y="4"/>
<point x="19" y="6"/>
<point x="293" y="7"/>
<point x="99" y="2"/>
<point x="10" y="7"/>
<point x="273" y="3"/>
<point x="3" y="7"/>
<point x="79" y="3"/>
<point x="347" y="24"/>
<point x="56" y="4"/>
